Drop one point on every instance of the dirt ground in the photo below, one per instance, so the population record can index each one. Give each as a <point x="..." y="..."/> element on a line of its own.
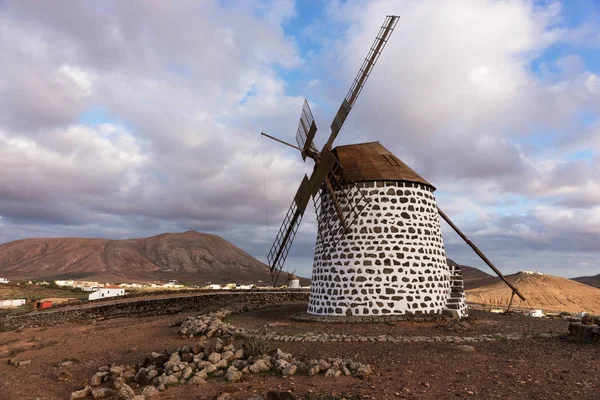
<point x="529" y="368"/>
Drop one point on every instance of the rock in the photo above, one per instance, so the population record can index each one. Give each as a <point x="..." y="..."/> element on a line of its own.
<point x="314" y="370"/>
<point x="223" y="396"/>
<point x="233" y="375"/>
<point x="63" y="375"/>
<point x="259" y="366"/>
<point x="466" y="348"/>
<point x="222" y="364"/>
<point x="98" y="378"/>
<point x="280" y="355"/>
<point x="149" y="392"/>
<point x="202" y="374"/>
<point x="214" y="358"/>
<point x="239" y="354"/>
<point x="81" y="394"/>
<point x="168" y="380"/>
<point x="332" y="373"/>
<point x="102" y="393"/>
<point x="23" y="362"/>
<point x="175" y="357"/>
<point x="256" y="397"/>
<point x="281" y="364"/>
<point x="196" y="380"/>
<point x="125" y="392"/>
<point x="116" y="370"/>
<point x="66" y="363"/>
<point x="280" y="396"/>
<point x="210" y="368"/>
<point x="228" y="356"/>
<point x="290" y="370"/>
<point x="363" y="371"/>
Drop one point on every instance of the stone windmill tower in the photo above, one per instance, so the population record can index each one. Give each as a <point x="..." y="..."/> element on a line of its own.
<point x="379" y="247"/>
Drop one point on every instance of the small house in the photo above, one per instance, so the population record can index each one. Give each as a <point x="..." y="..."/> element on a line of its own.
<point x="12" y="303"/>
<point x="536" y="313"/>
<point x="106" y="292"/>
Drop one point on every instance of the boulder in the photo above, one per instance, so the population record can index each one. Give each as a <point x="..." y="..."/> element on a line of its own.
<point x="290" y="369"/>
<point x="150" y="391"/>
<point x="81" y="394"/>
<point x="233" y="375"/>
<point x="102" y="393"/>
<point x="363" y="371"/>
<point x="259" y="366"/>
<point x="97" y="379"/>
<point x="214" y="357"/>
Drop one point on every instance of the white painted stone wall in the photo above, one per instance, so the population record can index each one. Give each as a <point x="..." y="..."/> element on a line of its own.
<point x="393" y="260"/>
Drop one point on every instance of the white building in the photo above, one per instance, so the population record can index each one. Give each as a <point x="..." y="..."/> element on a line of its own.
<point x="4" y="280"/>
<point x="245" y="287"/>
<point x="12" y="303"/>
<point x="536" y="313"/>
<point x="64" y="282"/>
<point x="214" y="286"/>
<point x="294" y="283"/>
<point x="105" y="292"/>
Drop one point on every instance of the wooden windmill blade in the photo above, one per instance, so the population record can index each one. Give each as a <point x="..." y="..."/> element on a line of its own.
<point x="306" y="131"/>
<point x="287" y="232"/>
<point x="361" y="78"/>
<point x="327" y="174"/>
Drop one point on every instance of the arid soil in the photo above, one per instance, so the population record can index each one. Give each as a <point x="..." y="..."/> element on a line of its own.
<point x="540" y="365"/>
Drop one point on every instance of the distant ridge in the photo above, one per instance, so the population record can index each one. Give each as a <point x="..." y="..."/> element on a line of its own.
<point x="472" y="276"/>
<point x="589" y="280"/>
<point x="189" y="257"/>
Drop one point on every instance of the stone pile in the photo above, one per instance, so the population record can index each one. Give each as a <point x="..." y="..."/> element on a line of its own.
<point x="211" y="325"/>
<point x="217" y="354"/>
<point x="201" y="361"/>
<point x="329" y="337"/>
<point x="585" y="333"/>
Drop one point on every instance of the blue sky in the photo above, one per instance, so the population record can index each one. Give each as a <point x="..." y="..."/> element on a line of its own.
<point x="134" y="127"/>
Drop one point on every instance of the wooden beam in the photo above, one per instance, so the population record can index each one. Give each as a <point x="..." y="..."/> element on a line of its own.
<point x="480" y="254"/>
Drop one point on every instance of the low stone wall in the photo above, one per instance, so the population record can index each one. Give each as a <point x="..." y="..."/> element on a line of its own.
<point x="585" y="333"/>
<point x="146" y="307"/>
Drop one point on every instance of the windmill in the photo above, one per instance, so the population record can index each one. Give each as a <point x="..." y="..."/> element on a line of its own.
<point x="379" y="246"/>
<point x="292" y="280"/>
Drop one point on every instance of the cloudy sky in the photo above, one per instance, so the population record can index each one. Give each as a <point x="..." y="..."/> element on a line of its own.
<point x="129" y="119"/>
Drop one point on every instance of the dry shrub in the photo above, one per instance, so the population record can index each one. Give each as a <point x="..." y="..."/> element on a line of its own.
<point x="256" y="346"/>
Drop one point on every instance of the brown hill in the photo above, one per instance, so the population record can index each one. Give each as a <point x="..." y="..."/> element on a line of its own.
<point x="190" y="257"/>
<point x="541" y="291"/>
<point x="589" y="280"/>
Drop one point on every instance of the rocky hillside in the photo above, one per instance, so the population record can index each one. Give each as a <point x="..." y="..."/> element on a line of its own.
<point x="589" y="280"/>
<point x="190" y="257"/>
<point x="541" y="291"/>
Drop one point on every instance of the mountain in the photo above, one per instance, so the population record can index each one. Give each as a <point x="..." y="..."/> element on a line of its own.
<point x="589" y="280"/>
<point x="189" y="257"/>
<point x="541" y="291"/>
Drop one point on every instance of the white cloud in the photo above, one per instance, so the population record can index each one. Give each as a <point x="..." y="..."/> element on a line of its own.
<point x="193" y="84"/>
